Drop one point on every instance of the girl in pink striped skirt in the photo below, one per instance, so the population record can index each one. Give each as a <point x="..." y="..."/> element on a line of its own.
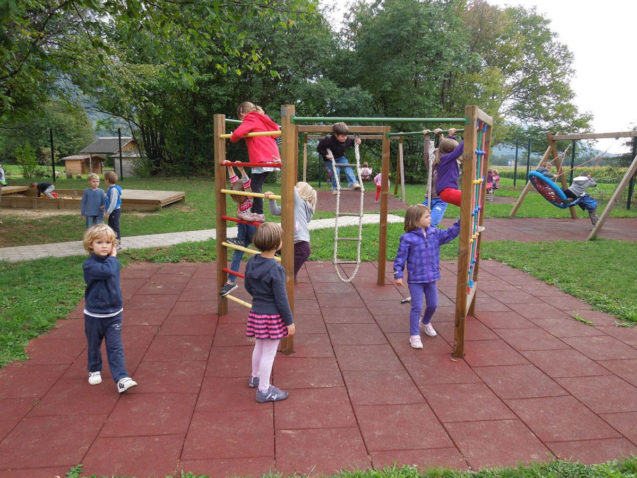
<point x="270" y="318"/>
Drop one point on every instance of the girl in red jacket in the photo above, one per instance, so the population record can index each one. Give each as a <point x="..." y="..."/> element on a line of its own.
<point x="261" y="149"/>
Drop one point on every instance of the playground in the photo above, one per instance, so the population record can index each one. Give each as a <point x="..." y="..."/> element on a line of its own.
<point x="520" y="372"/>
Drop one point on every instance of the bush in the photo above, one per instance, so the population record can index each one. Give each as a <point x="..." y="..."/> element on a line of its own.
<point x="26" y="158"/>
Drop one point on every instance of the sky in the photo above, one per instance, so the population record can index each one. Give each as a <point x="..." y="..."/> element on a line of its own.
<point x="601" y="36"/>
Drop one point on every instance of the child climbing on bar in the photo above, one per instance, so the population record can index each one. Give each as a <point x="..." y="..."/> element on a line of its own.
<point x="420" y="248"/>
<point x="261" y="149"/>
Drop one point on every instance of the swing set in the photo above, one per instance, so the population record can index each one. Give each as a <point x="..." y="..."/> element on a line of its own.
<point x="554" y="194"/>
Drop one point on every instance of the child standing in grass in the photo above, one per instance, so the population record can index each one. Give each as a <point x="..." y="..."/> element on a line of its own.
<point x="261" y="149"/>
<point x="270" y="318"/>
<point x="103" y="307"/>
<point x="113" y="204"/>
<point x="420" y="248"/>
<point x="93" y="202"/>
<point x="304" y="207"/>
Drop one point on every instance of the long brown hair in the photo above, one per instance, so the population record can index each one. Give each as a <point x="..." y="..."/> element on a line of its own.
<point x="413" y="215"/>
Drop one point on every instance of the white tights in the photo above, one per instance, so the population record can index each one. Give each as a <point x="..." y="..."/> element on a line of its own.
<point x="263" y="360"/>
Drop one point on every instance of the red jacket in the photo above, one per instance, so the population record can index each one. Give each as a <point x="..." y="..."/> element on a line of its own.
<point x="261" y="149"/>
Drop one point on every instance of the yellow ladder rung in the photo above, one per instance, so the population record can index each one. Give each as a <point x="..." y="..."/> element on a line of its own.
<point x="248" y="193"/>
<point x="238" y="301"/>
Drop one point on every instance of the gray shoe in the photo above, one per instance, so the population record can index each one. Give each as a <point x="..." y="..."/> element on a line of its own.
<point x="273" y="394"/>
<point x="227" y="288"/>
<point x="253" y="382"/>
<point x="593" y="215"/>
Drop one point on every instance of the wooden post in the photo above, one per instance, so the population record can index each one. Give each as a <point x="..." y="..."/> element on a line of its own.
<point x="528" y="186"/>
<point x="384" y="191"/>
<point x="219" y="145"/>
<point x="560" y="167"/>
<point x="611" y="203"/>
<point x="304" y="157"/>
<point x="289" y="167"/>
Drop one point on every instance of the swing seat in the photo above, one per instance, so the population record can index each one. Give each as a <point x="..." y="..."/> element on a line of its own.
<point x="551" y="191"/>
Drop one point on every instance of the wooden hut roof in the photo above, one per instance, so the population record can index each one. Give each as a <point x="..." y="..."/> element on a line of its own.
<point x="106" y="145"/>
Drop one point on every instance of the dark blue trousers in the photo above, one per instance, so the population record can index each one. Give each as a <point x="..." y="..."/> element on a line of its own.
<point x="109" y="329"/>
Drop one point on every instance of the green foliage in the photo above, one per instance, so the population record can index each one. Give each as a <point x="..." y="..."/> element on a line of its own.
<point x="25" y="157"/>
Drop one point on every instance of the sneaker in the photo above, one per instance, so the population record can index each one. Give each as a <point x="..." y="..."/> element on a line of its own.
<point x="227" y="288"/>
<point x="256" y="217"/>
<point x="246" y="215"/>
<point x="94" y="378"/>
<point x="236" y="241"/>
<point x="593" y="215"/>
<point x="334" y="192"/>
<point x="125" y="383"/>
<point x="415" y="341"/>
<point x="253" y="382"/>
<point x="273" y="394"/>
<point x="428" y="329"/>
<point x="356" y="186"/>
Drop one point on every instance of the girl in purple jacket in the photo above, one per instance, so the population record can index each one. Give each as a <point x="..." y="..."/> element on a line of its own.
<point x="420" y="248"/>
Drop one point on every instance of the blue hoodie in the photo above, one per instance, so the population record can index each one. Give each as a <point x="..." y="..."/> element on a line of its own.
<point x="103" y="295"/>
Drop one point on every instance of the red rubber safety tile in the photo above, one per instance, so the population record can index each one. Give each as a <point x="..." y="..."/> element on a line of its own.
<point x="231" y="434"/>
<point x="531" y="339"/>
<point x="166" y="377"/>
<point x="306" y="372"/>
<point x="145" y="316"/>
<point x="358" y="315"/>
<point x="367" y="357"/>
<point x="179" y="348"/>
<point x="431" y="345"/>
<point x="503" y="320"/>
<point x="431" y="369"/>
<point x="561" y="419"/>
<point x="315" y="408"/>
<point x="626" y="369"/>
<point x="465" y="402"/>
<point x="67" y="329"/>
<point x="220" y="394"/>
<point x="22" y="379"/>
<point x="356" y="334"/>
<point x="600" y="319"/>
<point x="305" y="306"/>
<point x="484" y="353"/>
<point x="13" y="409"/>
<point x="628" y="335"/>
<point x="603" y="394"/>
<point x="76" y="398"/>
<point x="567" y="327"/>
<point x="310" y="323"/>
<point x="142" y="270"/>
<point x="231" y="362"/>
<point x="256" y="466"/>
<point x="509" y="294"/>
<point x="602" y="347"/>
<point x="399" y="427"/>
<point x="564" y="363"/>
<point x="392" y="323"/>
<point x="519" y="381"/>
<point x="183" y="268"/>
<point x="152" y="301"/>
<point x="47" y="350"/>
<point x="422" y="458"/>
<point x="49" y="441"/>
<point x="230" y="334"/>
<point x="538" y="311"/>
<point x="199" y="307"/>
<point x="325" y="451"/>
<point x="189" y="325"/>
<point x="384" y="387"/>
<point x="625" y="423"/>
<point x="35" y="472"/>
<point x="593" y="451"/>
<point x="154" y="414"/>
<point x="130" y="286"/>
<point x="164" y="284"/>
<point x="497" y="443"/>
<point x="148" y="456"/>
<point x="313" y="345"/>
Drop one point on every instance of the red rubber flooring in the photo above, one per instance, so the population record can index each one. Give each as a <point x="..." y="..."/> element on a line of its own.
<point x="534" y="384"/>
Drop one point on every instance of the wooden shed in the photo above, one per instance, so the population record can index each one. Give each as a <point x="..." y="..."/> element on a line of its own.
<point x="109" y="146"/>
<point x="83" y="163"/>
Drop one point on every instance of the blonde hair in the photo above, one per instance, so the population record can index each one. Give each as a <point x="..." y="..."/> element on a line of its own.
<point x="92" y="176"/>
<point x="111" y="177"/>
<point x="413" y="215"/>
<point x="268" y="236"/>
<point x="95" y="232"/>
<point x="307" y="193"/>
<point x="246" y="107"/>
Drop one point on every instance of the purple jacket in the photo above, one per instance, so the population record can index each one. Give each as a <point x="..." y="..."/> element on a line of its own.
<point x="448" y="169"/>
<point x="422" y="253"/>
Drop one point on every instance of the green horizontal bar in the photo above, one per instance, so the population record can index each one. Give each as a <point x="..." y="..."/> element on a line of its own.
<point x="414" y="133"/>
<point x="332" y="119"/>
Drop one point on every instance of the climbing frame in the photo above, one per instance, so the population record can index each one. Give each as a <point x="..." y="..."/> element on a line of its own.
<point x="475" y="163"/>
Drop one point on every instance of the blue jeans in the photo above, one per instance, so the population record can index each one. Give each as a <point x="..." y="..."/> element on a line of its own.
<point x="109" y="329"/>
<point x="244" y="233"/>
<point x="438" y="208"/>
<point x="92" y="220"/>
<point x="587" y="203"/>
<point x="418" y="291"/>
<point x="349" y="172"/>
